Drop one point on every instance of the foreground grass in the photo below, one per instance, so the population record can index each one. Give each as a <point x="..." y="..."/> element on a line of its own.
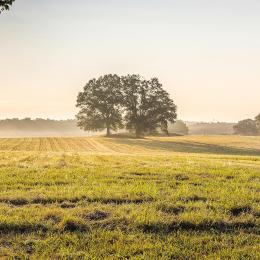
<point x="154" y="202"/>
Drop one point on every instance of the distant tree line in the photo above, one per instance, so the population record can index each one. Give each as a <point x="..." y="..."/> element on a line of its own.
<point x="5" y="4"/>
<point x="131" y="102"/>
<point x="32" y="123"/>
<point x="248" y="127"/>
<point x="210" y="128"/>
<point x="179" y="128"/>
<point x="38" y="126"/>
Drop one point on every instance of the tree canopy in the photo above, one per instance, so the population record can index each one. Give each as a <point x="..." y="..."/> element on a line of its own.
<point x="5" y="4"/>
<point x="99" y="104"/>
<point x="246" y="127"/>
<point x="111" y="102"/>
<point x="147" y="105"/>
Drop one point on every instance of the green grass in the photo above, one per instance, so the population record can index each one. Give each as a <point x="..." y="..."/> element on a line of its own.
<point x="118" y="198"/>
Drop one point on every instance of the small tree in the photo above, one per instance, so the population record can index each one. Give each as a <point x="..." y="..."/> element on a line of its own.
<point x="246" y="127"/>
<point x="99" y="104"/>
<point x="5" y="4"/>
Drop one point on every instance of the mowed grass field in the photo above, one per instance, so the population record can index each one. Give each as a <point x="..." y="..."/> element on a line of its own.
<point x="188" y="197"/>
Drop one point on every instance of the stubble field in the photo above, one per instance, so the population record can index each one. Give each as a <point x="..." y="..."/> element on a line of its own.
<point x="188" y="197"/>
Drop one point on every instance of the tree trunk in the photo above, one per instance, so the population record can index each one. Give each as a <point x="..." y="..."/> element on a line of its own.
<point x="137" y="133"/>
<point x="108" y="131"/>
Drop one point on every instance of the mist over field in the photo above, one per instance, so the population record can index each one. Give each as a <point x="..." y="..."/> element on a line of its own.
<point x="129" y="129"/>
<point x="40" y="127"/>
<point x="54" y="128"/>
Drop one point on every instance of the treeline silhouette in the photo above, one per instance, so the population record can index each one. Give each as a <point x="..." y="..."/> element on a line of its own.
<point x="248" y="126"/>
<point x="213" y="128"/>
<point x="38" y="127"/>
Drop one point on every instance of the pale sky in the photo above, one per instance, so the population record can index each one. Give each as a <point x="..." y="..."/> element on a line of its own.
<point x="205" y="52"/>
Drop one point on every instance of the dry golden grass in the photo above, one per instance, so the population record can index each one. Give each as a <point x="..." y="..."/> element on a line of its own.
<point x="236" y="145"/>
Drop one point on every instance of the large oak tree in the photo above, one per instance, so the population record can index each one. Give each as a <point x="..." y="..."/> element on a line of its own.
<point x="100" y="104"/>
<point x="147" y="105"/>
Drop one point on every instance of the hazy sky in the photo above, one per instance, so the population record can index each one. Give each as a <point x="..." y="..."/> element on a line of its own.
<point x="205" y="52"/>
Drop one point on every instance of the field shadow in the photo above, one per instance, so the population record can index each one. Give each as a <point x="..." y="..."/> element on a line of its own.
<point x="71" y="202"/>
<point x="133" y="136"/>
<point x="79" y="225"/>
<point x="187" y="147"/>
<point x="204" y="226"/>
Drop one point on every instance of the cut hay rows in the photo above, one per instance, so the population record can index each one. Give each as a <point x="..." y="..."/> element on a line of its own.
<point x="224" y="145"/>
<point x="153" y="198"/>
<point x="54" y="144"/>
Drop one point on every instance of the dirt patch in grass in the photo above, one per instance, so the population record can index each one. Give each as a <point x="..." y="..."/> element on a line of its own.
<point x="229" y="177"/>
<point x="236" y="211"/>
<point x="122" y="224"/>
<point x="22" y="228"/>
<point x="137" y="173"/>
<point x="48" y="184"/>
<point x="194" y="198"/>
<point x="196" y="184"/>
<point x="45" y="201"/>
<point x="70" y="202"/>
<point x="78" y="225"/>
<point x="74" y="225"/>
<point x="67" y="205"/>
<point x="120" y="201"/>
<point x="15" y="201"/>
<point x="54" y="217"/>
<point x="170" y="209"/>
<point x="97" y="215"/>
<point x="143" y="174"/>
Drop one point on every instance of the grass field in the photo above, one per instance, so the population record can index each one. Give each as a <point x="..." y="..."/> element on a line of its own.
<point x="188" y="197"/>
